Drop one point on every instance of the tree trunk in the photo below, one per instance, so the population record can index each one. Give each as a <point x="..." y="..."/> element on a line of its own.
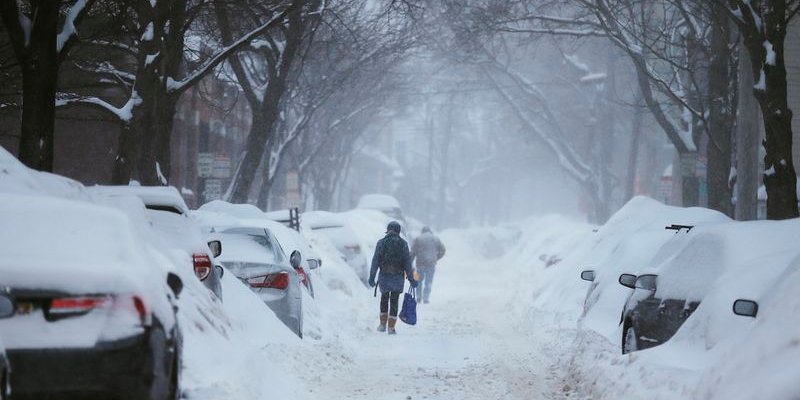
<point x="690" y="195"/>
<point x="38" y="59"/>
<point x="720" y="117"/>
<point x="127" y="154"/>
<point x="748" y="136"/>
<point x="259" y="136"/>
<point x="769" y="73"/>
<point x="633" y="156"/>
<point x="443" y="173"/>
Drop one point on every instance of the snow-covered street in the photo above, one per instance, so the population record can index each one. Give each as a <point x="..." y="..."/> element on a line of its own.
<point x="473" y="341"/>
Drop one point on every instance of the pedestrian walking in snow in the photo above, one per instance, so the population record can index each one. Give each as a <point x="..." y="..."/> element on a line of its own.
<point x="393" y="259"/>
<point x="428" y="250"/>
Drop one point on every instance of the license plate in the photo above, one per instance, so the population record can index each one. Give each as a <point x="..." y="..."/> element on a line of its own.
<point x="24" y="308"/>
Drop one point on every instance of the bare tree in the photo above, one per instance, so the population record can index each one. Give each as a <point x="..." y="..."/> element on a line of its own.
<point x="40" y="47"/>
<point x="763" y="25"/>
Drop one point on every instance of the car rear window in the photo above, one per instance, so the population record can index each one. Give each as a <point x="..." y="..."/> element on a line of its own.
<point x="244" y="245"/>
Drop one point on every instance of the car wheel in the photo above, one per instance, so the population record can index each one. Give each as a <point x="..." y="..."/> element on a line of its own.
<point x="174" y="382"/>
<point x="630" y="341"/>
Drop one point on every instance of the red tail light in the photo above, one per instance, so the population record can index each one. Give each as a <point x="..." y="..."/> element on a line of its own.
<point x="202" y="266"/>
<point x="76" y="305"/>
<point x="303" y="276"/>
<point x="271" y="281"/>
<point x="65" y="307"/>
<point x="138" y="304"/>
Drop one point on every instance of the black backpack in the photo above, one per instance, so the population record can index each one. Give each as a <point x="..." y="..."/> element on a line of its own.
<point x="393" y="255"/>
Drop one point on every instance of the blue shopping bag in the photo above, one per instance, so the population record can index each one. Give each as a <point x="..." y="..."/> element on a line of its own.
<point x="408" y="313"/>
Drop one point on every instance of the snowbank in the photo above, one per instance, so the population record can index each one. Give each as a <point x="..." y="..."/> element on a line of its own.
<point x="715" y="354"/>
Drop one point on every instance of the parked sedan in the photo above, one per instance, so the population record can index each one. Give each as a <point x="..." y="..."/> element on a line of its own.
<point x="168" y="215"/>
<point x="292" y="242"/>
<point x="333" y="227"/>
<point x="253" y="254"/>
<point x="647" y="320"/>
<point x="6" y="311"/>
<point x="94" y="315"/>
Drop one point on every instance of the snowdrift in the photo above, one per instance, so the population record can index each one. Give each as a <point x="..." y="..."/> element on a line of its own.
<point x="715" y="354"/>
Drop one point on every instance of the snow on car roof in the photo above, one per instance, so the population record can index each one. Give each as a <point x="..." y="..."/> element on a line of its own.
<point x="91" y="248"/>
<point x="234" y="210"/>
<point x="17" y="178"/>
<point x="321" y="219"/>
<point x="690" y="269"/>
<point x="378" y="201"/>
<point x="165" y="196"/>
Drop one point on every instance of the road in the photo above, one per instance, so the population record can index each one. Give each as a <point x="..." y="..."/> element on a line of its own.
<point x="474" y="340"/>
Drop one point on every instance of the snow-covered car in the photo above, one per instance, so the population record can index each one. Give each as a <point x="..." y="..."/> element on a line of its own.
<point x="168" y="214"/>
<point x="95" y="312"/>
<point x="383" y="203"/>
<point x="254" y="256"/>
<point x="343" y="238"/>
<point x="292" y="242"/>
<point x="708" y="260"/>
<point x="6" y="311"/>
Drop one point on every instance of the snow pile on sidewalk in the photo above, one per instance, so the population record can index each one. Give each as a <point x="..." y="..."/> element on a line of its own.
<point x="236" y="350"/>
<point x="715" y="354"/>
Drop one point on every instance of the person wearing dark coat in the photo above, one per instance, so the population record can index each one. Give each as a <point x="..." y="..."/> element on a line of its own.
<point x="393" y="259"/>
<point x="428" y="250"/>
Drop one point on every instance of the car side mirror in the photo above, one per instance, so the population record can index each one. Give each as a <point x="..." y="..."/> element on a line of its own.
<point x="175" y="283"/>
<point x="588" y="275"/>
<point x="745" y="308"/>
<point x="314" y="264"/>
<point x="627" y="280"/>
<point x="216" y="248"/>
<point x="220" y="270"/>
<point x="295" y="259"/>
<point x="6" y="306"/>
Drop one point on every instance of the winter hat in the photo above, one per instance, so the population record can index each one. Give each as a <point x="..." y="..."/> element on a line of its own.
<point x="426" y="229"/>
<point x="393" y="226"/>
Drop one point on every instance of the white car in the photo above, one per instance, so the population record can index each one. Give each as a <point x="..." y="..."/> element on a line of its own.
<point x="343" y="238"/>
<point x="94" y="309"/>
<point x="6" y="311"/>
<point x="383" y="203"/>
<point x="253" y="254"/>
<point x="168" y="214"/>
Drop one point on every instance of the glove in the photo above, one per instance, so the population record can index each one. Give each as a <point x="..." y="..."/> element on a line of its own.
<point x="371" y="283"/>
<point x="414" y="284"/>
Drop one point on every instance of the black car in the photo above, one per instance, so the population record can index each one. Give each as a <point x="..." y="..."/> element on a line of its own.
<point x="647" y="320"/>
<point x="6" y="310"/>
<point x="93" y="315"/>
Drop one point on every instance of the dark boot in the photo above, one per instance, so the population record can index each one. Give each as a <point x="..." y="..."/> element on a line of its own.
<point x="392" y="323"/>
<point x="382" y="326"/>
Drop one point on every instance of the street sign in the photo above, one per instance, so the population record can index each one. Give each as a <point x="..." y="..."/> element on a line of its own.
<point x="222" y="167"/>
<point x="205" y="165"/>
<point x="292" y="189"/>
<point x="213" y="190"/>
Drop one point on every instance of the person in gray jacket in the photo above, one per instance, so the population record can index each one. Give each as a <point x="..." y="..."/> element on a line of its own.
<point x="428" y="250"/>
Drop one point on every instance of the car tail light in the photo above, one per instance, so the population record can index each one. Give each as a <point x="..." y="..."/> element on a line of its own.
<point x="202" y="266"/>
<point x="66" y="306"/>
<point x="270" y="281"/>
<point x="303" y="276"/>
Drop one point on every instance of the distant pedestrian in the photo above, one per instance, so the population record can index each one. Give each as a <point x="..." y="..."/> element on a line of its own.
<point x="428" y="250"/>
<point x="393" y="259"/>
